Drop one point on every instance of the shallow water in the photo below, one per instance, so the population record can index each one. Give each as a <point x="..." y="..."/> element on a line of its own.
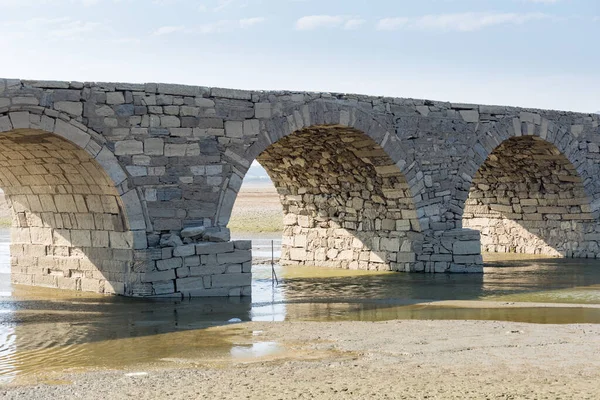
<point x="43" y="331"/>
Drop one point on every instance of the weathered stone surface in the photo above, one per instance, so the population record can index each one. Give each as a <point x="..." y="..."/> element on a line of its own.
<point x="193" y="232"/>
<point x="214" y="248"/>
<point x="170" y="240"/>
<point x="237" y="256"/>
<point x="216" y="235"/>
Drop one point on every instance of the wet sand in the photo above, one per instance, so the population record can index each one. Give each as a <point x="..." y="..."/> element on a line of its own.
<point x="360" y="360"/>
<point x="257" y="212"/>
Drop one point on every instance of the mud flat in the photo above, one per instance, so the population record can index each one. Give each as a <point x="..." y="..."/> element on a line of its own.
<point x="360" y="360"/>
<point x="257" y="212"/>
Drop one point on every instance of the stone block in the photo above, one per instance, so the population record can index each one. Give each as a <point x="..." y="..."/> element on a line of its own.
<point x="158" y="276"/>
<point x="179" y="90"/>
<point x="191" y="261"/>
<point x="164" y="287"/>
<point x="235" y="257"/>
<point x="234" y="129"/>
<point x="171" y="263"/>
<point x="92" y="285"/>
<point x="190" y="283"/>
<point x="175" y="149"/>
<point x="214" y="248"/>
<point x="242" y="244"/>
<point x="129" y="147"/>
<point x="472" y="259"/>
<point x="209" y="269"/>
<point x="466" y="247"/>
<point x="262" y="110"/>
<point x="170" y="121"/>
<point x="115" y="98"/>
<point x="19" y="120"/>
<point x="231" y="280"/>
<point x="111" y="287"/>
<point x="441" y="266"/>
<point x="405" y="257"/>
<point x="81" y="238"/>
<point x="389" y="244"/>
<point x="121" y="240"/>
<point x="231" y="93"/>
<point x="184" y="251"/>
<point x="234" y="269"/>
<point x="297" y="254"/>
<point x="70" y="107"/>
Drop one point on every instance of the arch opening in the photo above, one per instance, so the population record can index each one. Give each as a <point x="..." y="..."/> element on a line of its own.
<point x="528" y="198"/>
<point x="345" y="202"/>
<point x="69" y="227"/>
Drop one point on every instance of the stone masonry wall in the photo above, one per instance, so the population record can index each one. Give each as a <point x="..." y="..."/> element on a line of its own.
<point x="345" y="203"/>
<point x="69" y="230"/>
<point x="528" y="198"/>
<point x="206" y="269"/>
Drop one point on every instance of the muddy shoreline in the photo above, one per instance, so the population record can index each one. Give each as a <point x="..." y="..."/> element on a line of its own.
<point x="378" y="360"/>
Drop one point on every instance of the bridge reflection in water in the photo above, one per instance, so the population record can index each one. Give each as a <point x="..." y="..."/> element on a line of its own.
<point x="44" y="330"/>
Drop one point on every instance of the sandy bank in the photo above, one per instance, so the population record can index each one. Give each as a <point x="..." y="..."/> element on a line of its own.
<point x="360" y="360"/>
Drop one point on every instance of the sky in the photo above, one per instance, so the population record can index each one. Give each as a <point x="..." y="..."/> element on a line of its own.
<point x="530" y="53"/>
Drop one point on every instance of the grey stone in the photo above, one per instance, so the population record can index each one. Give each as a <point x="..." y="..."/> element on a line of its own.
<point x="217" y="234"/>
<point x="170" y="240"/>
<point x="193" y="231"/>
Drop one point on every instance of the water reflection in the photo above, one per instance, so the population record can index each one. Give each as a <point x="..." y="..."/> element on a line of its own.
<point x="43" y="330"/>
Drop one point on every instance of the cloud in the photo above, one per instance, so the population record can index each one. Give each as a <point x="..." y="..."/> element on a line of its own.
<point x="318" y="21"/>
<point x="354" y="23"/>
<point x="250" y="22"/>
<point x="218" y="26"/>
<point x="311" y="22"/>
<point x="461" y="22"/>
<point x="74" y="29"/>
<point x="224" y="25"/>
<point x="167" y="30"/>
<point x="390" y="24"/>
<point x="223" y="4"/>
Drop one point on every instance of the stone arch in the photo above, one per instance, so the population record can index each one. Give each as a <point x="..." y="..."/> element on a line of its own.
<point x="318" y="113"/>
<point x="76" y="225"/>
<point x="529" y="192"/>
<point x="347" y="202"/>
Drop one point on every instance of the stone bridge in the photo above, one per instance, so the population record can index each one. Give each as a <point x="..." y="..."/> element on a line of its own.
<point x="128" y="188"/>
